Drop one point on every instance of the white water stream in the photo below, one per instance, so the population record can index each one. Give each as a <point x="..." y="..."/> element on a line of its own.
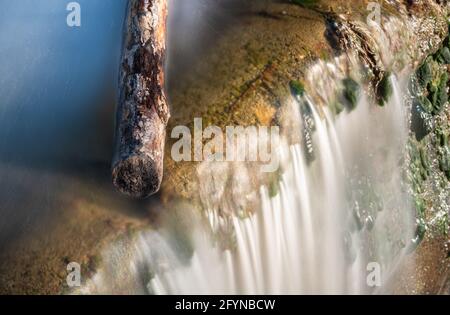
<point x="341" y="206"/>
<point x="329" y="219"/>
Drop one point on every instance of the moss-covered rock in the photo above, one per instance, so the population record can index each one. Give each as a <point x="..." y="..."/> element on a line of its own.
<point x="421" y="108"/>
<point x="337" y="107"/>
<point x="424" y="73"/>
<point x="444" y="159"/>
<point x="385" y="89"/>
<point x="425" y="104"/>
<point x="442" y="136"/>
<point x="421" y="229"/>
<point x="352" y="91"/>
<point x="438" y="94"/>
<point x="297" y="88"/>
<point x="443" y="55"/>
<point x="420" y="207"/>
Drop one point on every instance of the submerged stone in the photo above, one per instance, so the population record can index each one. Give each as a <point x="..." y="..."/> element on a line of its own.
<point x="421" y="229"/>
<point x="423" y="158"/>
<point x="337" y="107"/>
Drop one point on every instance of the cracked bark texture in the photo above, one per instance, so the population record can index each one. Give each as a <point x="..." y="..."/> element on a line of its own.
<point x="143" y="112"/>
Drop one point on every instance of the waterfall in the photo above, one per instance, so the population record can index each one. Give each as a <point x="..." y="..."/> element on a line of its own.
<point x="329" y="218"/>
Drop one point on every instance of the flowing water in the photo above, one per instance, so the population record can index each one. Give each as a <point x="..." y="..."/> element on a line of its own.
<point x="340" y="202"/>
<point x="330" y="217"/>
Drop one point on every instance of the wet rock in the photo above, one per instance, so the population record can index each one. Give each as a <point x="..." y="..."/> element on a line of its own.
<point x="384" y="90"/>
<point x="442" y="136"/>
<point x="352" y="91"/>
<point x="421" y="229"/>
<point x="439" y="96"/>
<point x="444" y="160"/>
<point x="357" y="221"/>
<point x="297" y="88"/>
<point x="424" y="74"/>
<point x="420" y="110"/>
<point x="443" y="55"/>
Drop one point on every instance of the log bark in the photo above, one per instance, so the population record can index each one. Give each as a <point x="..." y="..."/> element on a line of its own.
<point x="142" y="112"/>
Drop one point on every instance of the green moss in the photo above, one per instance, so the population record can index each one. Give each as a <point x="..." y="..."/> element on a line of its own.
<point x="384" y="89"/>
<point x="421" y="229"/>
<point x="438" y="94"/>
<point x="443" y="56"/>
<point x="425" y="104"/>
<point x="337" y="107"/>
<point x="420" y="207"/>
<point x="444" y="159"/>
<point x="421" y="107"/>
<point x="424" y="73"/>
<point x="424" y="163"/>
<point x="297" y="88"/>
<point x="352" y="91"/>
<point x="442" y="136"/>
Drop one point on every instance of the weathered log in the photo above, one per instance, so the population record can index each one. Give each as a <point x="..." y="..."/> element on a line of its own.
<point x="142" y="112"/>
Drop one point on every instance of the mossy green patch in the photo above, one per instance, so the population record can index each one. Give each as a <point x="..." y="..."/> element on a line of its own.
<point x="443" y="55"/>
<point x="352" y="91"/>
<point x="424" y="73"/>
<point x="442" y="136"/>
<point x="421" y="229"/>
<point x="425" y="104"/>
<point x="385" y="89"/>
<point x="337" y="107"/>
<point x="438" y="94"/>
<point x="444" y="159"/>
<point x="297" y="88"/>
